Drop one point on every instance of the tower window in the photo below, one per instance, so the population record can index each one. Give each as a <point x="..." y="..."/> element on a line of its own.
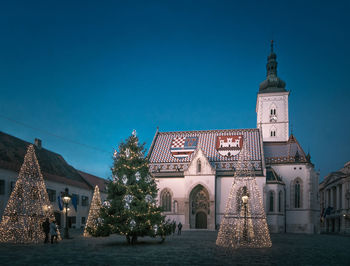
<point x="273" y="133"/>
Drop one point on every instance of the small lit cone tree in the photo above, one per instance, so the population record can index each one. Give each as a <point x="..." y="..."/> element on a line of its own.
<point x="28" y="205"/>
<point x="244" y="222"/>
<point x="94" y="214"/>
<point x="131" y="209"/>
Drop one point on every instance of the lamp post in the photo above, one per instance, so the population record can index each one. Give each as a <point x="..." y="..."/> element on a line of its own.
<point x="66" y="199"/>
<point x="245" y="228"/>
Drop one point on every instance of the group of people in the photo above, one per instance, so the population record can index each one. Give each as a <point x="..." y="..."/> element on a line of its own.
<point x="179" y="227"/>
<point x="50" y="228"/>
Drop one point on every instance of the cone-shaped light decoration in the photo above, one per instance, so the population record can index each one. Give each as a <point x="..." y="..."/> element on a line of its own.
<point x="28" y="205"/>
<point x="94" y="213"/>
<point x="244" y="223"/>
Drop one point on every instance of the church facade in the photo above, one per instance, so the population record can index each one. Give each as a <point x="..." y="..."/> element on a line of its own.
<point x="194" y="170"/>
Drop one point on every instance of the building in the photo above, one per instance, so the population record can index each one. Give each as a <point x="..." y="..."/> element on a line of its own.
<point x="335" y="201"/>
<point x="57" y="174"/>
<point x="195" y="169"/>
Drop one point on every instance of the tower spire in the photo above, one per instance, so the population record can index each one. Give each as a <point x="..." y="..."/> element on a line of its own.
<point x="271" y="46"/>
<point x="272" y="83"/>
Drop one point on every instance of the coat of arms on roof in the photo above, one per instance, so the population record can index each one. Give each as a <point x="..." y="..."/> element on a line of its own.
<point x="182" y="147"/>
<point x="229" y="145"/>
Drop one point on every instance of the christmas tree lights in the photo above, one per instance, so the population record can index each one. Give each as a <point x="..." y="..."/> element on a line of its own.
<point x="132" y="211"/>
<point x="28" y="205"/>
<point x="244" y="223"/>
<point x="94" y="214"/>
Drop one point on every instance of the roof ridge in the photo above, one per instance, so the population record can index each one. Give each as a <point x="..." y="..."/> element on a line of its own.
<point x="208" y="130"/>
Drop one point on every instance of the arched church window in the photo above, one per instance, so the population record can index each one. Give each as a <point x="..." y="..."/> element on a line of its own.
<point x="199" y="166"/>
<point x="271" y="201"/>
<point x="280" y="201"/>
<point x="297" y="194"/>
<point x="166" y="201"/>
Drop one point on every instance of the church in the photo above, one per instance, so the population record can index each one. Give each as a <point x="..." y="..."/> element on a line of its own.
<point x="194" y="170"/>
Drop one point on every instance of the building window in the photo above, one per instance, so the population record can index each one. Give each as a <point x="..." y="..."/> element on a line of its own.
<point x="199" y="166"/>
<point x="273" y="133"/>
<point x="83" y="220"/>
<point x="76" y="197"/>
<point x="2" y="187"/>
<point x="52" y="195"/>
<point x="84" y="201"/>
<point x="297" y="195"/>
<point x="280" y="201"/>
<point x="271" y="203"/>
<point x="166" y="201"/>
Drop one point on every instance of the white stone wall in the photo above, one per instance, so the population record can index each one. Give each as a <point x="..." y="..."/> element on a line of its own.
<point x="278" y="101"/>
<point x="301" y="219"/>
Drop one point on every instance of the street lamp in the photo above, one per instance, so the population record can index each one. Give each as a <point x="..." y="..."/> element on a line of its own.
<point x="66" y="199"/>
<point x="245" y="201"/>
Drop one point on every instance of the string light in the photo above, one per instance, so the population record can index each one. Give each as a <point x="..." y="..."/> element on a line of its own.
<point x="28" y="205"/>
<point x="244" y="223"/>
<point x="94" y="214"/>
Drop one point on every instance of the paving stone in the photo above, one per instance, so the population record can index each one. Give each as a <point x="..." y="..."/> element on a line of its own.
<point x="191" y="248"/>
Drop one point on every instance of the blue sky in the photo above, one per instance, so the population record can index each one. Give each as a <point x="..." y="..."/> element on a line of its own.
<point x="92" y="71"/>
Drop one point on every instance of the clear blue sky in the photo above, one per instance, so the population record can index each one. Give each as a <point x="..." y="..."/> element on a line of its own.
<point x="92" y="71"/>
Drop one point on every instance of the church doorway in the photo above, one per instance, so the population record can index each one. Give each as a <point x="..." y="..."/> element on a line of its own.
<point x="201" y="220"/>
<point x="199" y="208"/>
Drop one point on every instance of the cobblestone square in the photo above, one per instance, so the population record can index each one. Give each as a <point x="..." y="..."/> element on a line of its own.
<point x="191" y="248"/>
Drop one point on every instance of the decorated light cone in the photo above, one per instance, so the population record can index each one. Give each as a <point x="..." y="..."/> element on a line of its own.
<point x="28" y="205"/>
<point x="244" y="223"/>
<point x="94" y="213"/>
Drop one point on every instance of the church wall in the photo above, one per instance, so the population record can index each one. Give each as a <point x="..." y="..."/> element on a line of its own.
<point x="275" y="218"/>
<point x="176" y="186"/>
<point x="303" y="219"/>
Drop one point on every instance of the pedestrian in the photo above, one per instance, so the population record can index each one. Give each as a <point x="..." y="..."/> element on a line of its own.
<point x="53" y="231"/>
<point x="46" y="229"/>
<point x="179" y="227"/>
<point x="174" y="227"/>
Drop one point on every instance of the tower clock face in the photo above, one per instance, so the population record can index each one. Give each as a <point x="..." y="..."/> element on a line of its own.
<point x="273" y="119"/>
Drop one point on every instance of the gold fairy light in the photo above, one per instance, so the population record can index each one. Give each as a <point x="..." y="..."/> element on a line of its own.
<point x="28" y="205"/>
<point x="94" y="213"/>
<point x="244" y="223"/>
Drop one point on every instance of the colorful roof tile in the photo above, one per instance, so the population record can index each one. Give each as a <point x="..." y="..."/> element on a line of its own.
<point x="161" y="154"/>
<point x="284" y="152"/>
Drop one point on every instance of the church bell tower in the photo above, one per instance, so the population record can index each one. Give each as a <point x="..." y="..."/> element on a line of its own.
<point x="272" y="104"/>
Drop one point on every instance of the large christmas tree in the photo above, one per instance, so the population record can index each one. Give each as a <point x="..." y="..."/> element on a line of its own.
<point x="131" y="208"/>
<point x="28" y="205"/>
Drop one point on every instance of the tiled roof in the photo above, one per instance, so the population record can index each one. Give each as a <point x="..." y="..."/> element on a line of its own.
<point x="53" y="166"/>
<point x="94" y="180"/>
<point x="284" y="152"/>
<point x="160" y="156"/>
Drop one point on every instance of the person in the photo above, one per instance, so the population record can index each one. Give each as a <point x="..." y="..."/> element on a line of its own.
<point x="179" y="227"/>
<point x="174" y="227"/>
<point x="46" y="229"/>
<point x="53" y="231"/>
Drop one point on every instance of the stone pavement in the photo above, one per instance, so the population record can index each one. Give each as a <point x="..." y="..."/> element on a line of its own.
<point x="191" y="248"/>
